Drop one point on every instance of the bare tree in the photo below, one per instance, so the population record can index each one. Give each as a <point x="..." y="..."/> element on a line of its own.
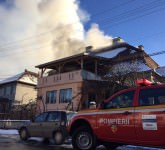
<point x="123" y="75"/>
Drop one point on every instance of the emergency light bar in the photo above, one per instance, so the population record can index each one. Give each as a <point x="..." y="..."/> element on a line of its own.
<point x="143" y="82"/>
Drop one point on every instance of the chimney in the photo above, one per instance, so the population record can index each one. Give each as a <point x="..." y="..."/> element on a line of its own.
<point x="88" y="49"/>
<point x="141" y="47"/>
<point x="117" y="40"/>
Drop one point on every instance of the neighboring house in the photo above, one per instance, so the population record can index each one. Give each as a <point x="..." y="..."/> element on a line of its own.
<point x="73" y="82"/>
<point x="17" y="90"/>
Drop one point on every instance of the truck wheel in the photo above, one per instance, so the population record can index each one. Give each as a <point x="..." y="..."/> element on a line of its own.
<point x="24" y="134"/>
<point x="83" y="139"/>
<point x="58" y="137"/>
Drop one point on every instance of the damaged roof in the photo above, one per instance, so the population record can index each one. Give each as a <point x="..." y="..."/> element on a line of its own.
<point x="109" y="53"/>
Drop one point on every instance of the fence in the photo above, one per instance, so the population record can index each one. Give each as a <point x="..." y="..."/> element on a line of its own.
<point x="12" y="124"/>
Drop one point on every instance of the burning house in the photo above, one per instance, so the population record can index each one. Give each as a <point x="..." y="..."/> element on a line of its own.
<point x="73" y="82"/>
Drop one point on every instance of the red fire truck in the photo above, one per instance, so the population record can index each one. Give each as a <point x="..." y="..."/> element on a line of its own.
<point x="132" y="116"/>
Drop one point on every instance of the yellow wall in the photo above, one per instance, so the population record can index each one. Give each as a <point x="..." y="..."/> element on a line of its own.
<point x="25" y="93"/>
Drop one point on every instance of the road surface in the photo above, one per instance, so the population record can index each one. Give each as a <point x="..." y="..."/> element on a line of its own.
<point x="12" y="142"/>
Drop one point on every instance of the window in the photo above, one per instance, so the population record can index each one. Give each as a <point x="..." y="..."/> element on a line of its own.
<point x="54" y="116"/>
<point x="70" y="115"/>
<point x="1" y="91"/>
<point x="12" y="89"/>
<point x="63" y="117"/>
<point x="65" y="95"/>
<point x="51" y="97"/>
<point x="4" y="90"/>
<point x="8" y="90"/>
<point x="152" y="96"/>
<point x="41" y="117"/>
<point x="121" y="101"/>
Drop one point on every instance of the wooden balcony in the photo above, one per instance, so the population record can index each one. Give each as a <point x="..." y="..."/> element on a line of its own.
<point x="64" y="78"/>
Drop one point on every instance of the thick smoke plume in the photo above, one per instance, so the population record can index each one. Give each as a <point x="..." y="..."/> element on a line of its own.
<point x="97" y="38"/>
<point x="38" y="31"/>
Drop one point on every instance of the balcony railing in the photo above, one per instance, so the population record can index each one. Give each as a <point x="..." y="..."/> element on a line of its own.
<point x="69" y="77"/>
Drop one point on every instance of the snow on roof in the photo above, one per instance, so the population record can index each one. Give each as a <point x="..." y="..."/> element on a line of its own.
<point x="127" y="67"/>
<point x="161" y="71"/>
<point x="143" y="67"/>
<point x="28" y="79"/>
<point x="111" y="53"/>
<point x="22" y="77"/>
<point x="12" y="79"/>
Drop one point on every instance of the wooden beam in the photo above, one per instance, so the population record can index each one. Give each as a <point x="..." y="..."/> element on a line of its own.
<point x="42" y="71"/>
<point x="96" y="67"/>
<point x="82" y="63"/>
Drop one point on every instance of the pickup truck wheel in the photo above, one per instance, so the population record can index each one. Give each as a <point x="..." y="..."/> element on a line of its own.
<point x="58" y="137"/>
<point x="24" y="134"/>
<point x="83" y="139"/>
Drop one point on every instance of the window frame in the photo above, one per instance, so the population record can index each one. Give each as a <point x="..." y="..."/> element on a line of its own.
<point x="49" y="101"/>
<point x="45" y="118"/>
<point x="119" y="94"/>
<point x="64" y="100"/>
<point x="151" y="94"/>
<point x="57" y="119"/>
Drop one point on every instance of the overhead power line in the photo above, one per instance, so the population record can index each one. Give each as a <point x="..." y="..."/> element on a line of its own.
<point x="134" y="14"/>
<point x="44" y="33"/>
<point x="129" y="15"/>
<point x="157" y="53"/>
<point x="113" y="8"/>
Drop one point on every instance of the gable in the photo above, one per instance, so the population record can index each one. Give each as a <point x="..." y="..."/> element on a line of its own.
<point x="29" y="79"/>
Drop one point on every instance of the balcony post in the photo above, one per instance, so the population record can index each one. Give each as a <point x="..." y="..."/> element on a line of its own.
<point x="42" y="71"/>
<point x="82" y="63"/>
<point x="96" y="68"/>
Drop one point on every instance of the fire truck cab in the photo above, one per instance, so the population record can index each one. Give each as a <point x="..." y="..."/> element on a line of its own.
<point x="132" y="116"/>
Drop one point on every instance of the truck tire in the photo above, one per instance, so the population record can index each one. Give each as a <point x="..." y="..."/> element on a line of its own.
<point x="24" y="135"/>
<point x="58" y="137"/>
<point x="83" y="139"/>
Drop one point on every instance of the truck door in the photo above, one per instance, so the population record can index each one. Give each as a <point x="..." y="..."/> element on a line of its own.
<point x="36" y="127"/>
<point x="116" y="121"/>
<point x="150" y="116"/>
<point x="52" y="123"/>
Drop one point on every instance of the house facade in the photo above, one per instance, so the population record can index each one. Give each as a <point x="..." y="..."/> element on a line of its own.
<point x="73" y="82"/>
<point x="17" y="90"/>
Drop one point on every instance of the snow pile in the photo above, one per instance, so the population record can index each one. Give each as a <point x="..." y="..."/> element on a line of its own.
<point x="9" y="132"/>
<point x="132" y="147"/>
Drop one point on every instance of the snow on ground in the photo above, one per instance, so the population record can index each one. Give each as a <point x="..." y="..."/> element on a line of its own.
<point x="15" y="132"/>
<point x="36" y="139"/>
<point x="131" y="147"/>
<point x="9" y="132"/>
<point x="126" y="147"/>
